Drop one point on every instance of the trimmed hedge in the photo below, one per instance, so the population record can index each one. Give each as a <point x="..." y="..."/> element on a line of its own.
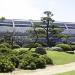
<point x="72" y="47"/>
<point x="15" y="61"/>
<point x="48" y="60"/>
<point x="6" y="65"/>
<point x="5" y="45"/>
<point x="56" y="49"/>
<point x="40" y="50"/>
<point x="5" y="50"/>
<point x="65" y="47"/>
<point x="40" y="62"/>
<point x="33" y="45"/>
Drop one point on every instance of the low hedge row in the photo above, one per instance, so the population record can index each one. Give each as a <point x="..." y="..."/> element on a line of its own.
<point x="63" y="47"/>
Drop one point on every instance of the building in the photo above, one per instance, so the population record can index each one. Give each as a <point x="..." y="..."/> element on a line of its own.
<point x="18" y="28"/>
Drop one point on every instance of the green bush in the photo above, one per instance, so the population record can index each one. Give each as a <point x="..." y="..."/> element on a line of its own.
<point x="65" y="47"/>
<point x="72" y="43"/>
<point x="15" y="61"/>
<point x="48" y="59"/>
<point x="23" y="64"/>
<point x="35" y="55"/>
<point x="56" y="49"/>
<point x="43" y="44"/>
<point x="33" y="45"/>
<point x="40" y="62"/>
<point x="23" y="52"/>
<point x="72" y="47"/>
<point x="32" y="61"/>
<point x="40" y="50"/>
<point x="6" y="65"/>
<point x="2" y="46"/>
<point x="5" y="50"/>
<point x="31" y="66"/>
<point x="7" y="45"/>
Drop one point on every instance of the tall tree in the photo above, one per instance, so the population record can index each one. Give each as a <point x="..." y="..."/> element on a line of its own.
<point x="48" y="20"/>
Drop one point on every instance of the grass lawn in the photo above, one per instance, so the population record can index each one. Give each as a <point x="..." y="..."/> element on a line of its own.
<point x="61" y="57"/>
<point x="67" y="73"/>
<point x="57" y="57"/>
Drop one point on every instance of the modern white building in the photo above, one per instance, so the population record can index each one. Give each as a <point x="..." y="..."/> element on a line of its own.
<point x="19" y="27"/>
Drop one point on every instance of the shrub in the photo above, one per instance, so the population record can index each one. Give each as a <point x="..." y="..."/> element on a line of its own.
<point x="40" y="50"/>
<point x="65" y="47"/>
<point x="56" y="49"/>
<point x="31" y="66"/>
<point x="7" y="45"/>
<point x="2" y="46"/>
<point x="72" y="43"/>
<point x="40" y="62"/>
<point x="33" y="45"/>
<point x="23" y="64"/>
<point x="25" y="55"/>
<point x="72" y="47"/>
<point x="48" y="59"/>
<point x="15" y="61"/>
<point x="23" y="52"/>
<point x="35" y="55"/>
<point x="5" y="50"/>
<point x="6" y="65"/>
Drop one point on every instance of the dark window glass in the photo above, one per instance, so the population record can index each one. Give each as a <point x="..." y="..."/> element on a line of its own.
<point x="22" y="22"/>
<point x="22" y="26"/>
<point x="6" y="25"/>
<point x="70" y="24"/>
<point x="71" y="27"/>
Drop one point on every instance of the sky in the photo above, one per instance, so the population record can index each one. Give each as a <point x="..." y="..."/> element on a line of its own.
<point x="63" y="10"/>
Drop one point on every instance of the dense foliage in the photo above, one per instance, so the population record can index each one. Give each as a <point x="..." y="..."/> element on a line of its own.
<point x="24" y="59"/>
<point x="40" y="50"/>
<point x="65" y="47"/>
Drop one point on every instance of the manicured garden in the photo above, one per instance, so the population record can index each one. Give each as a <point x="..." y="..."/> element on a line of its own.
<point x="37" y="57"/>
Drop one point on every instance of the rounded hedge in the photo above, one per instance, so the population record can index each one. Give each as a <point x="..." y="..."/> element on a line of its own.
<point x="72" y="47"/>
<point x="48" y="60"/>
<point x="72" y="43"/>
<point x="56" y="49"/>
<point x="23" y="64"/>
<point x="15" y="61"/>
<point x="5" y="50"/>
<point x="6" y="65"/>
<point x="31" y="66"/>
<point x="5" y="45"/>
<point x="65" y="47"/>
<point x="33" y="45"/>
<point x="40" y="50"/>
<point x="40" y="62"/>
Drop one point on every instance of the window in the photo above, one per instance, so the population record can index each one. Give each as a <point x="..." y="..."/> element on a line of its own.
<point x="22" y="26"/>
<point x="6" y="25"/>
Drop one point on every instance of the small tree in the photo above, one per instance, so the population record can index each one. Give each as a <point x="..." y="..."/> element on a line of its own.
<point x="48" y="31"/>
<point x="8" y="37"/>
<point x="2" y="18"/>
